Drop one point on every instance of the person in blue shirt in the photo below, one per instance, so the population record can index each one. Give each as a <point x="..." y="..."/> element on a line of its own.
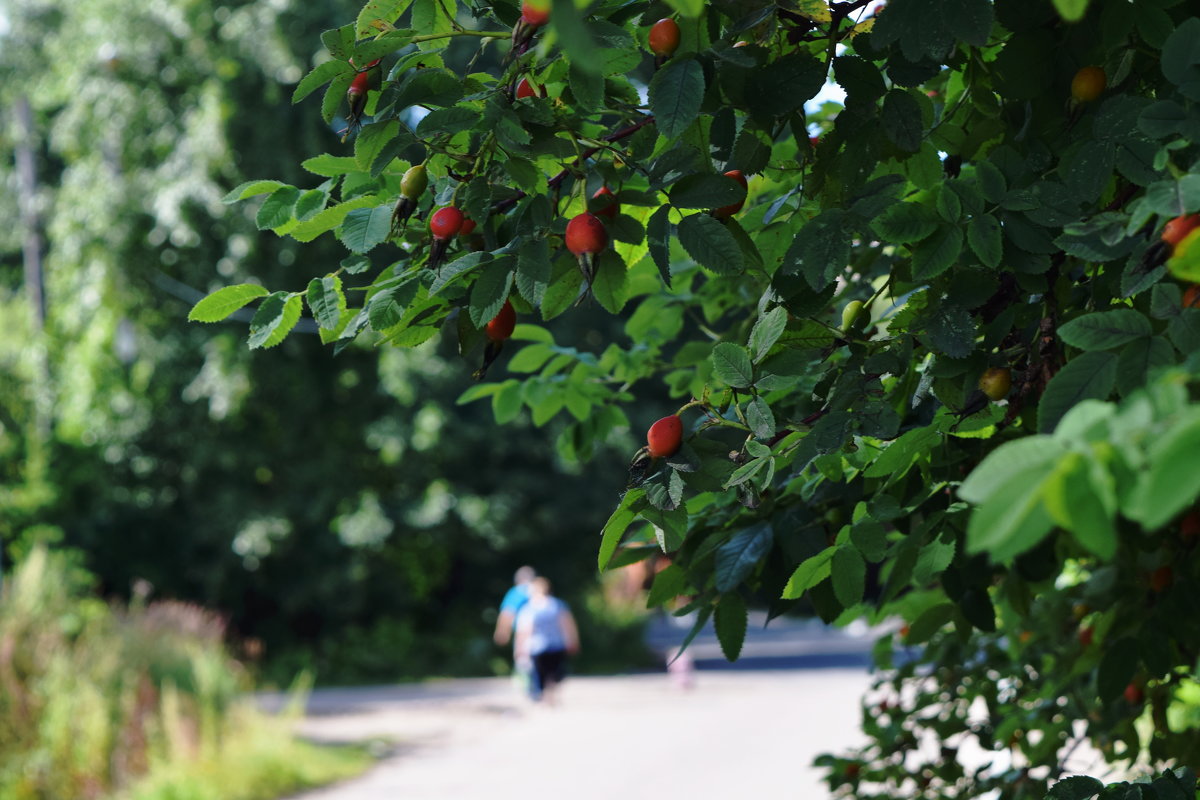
<point x="547" y="633"/>
<point x="506" y="622"/>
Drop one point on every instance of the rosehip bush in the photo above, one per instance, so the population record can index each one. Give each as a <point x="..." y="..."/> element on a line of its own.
<point x="980" y="186"/>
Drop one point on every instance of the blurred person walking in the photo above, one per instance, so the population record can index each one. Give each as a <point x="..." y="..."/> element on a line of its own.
<point x="506" y="622"/>
<point x="546" y="631"/>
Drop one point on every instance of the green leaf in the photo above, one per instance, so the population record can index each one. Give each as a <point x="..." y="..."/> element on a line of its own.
<point x="929" y="622"/>
<point x="491" y="290"/>
<point x="274" y="320"/>
<point x="731" y="365"/>
<point x="1181" y="58"/>
<point x="250" y="189"/>
<point x="326" y="300"/>
<point x="710" y="244"/>
<point x="658" y="240"/>
<point x="905" y="223"/>
<point x="706" y="191"/>
<point x="339" y="41"/>
<point x="1105" y="330"/>
<point x="371" y="140"/>
<point x="223" y="302"/>
<point x="1171" y="482"/>
<point x="328" y="166"/>
<point x="811" y="571"/>
<point x="932" y="561"/>
<point x="688" y="8"/>
<point x="276" y="210"/>
<point x="625" y="513"/>
<point x="901" y="118"/>
<point x="364" y="228"/>
<point x="668" y="584"/>
<point x="730" y="621"/>
<point x="1088" y="376"/>
<point x="760" y="418"/>
<point x="1028" y="454"/>
<point x="740" y="555"/>
<point x="322" y="74"/>
<point x="935" y="255"/>
<point x="382" y="10"/>
<point x="1079" y="496"/>
<point x="578" y="44"/>
<point x="951" y="330"/>
<point x="984" y="237"/>
<point x="821" y="249"/>
<point x="533" y="270"/>
<point x="785" y="84"/>
<point x="610" y="286"/>
<point x="675" y="96"/>
<point x="1013" y="519"/>
<point x="766" y="332"/>
<point x="1077" y="787"/>
<point x="1071" y="10"/>
<point x="587" y="88"/>
<point x="848" y="572"/>
<point x="930" y="27"/>
<point x="1138" y="361"/>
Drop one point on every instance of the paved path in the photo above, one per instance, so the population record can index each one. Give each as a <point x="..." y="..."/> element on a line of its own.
<point x="737" y="734"/>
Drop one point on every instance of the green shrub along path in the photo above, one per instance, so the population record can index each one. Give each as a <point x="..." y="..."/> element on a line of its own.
<point x="818" y="289"/>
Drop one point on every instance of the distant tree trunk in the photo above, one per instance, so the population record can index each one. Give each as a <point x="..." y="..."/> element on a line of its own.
<point x="31" y="246"/>
<point x="35" y="285"/>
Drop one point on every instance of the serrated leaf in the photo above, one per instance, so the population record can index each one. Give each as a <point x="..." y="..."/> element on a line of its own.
<point x="985" y="238"/>
<point x="387" y="11"/>
<point x="905" y="223"/>
<point x="364" y="228"/>
<point x="250" y="189"/>
<point x="731" y="364"/>
<point x="274" y="320"/>
<point x="808" y="574"/>
<point x="821" y="249"/>
<point x="620" y="519"/>
<point x="1077" y="787"/>
<point x="766" y="332"/>
<point x="675" y="96"/>
<point x="760" y="418"/>
<point x="740" y="555"/>
<point x="848" y="573"/>
<point x="1105" y="330"/>
<point x="730" y="622"/>
<point x="533" y="270"/>
<point x="935" y="255"/>
<point x="276" y="210"/>
<point x="318" y="77"/>
<point x="668" y="584"/>
<point x="901" y="118"/>
<point x="326" y="301"/>
<point x="706" y="191"/>
<point x="491" y="290"/>
<point x="710" y="245"/>
<point x="223" y="302"/>
<point x="1088" y="376"/>
<point x="328" y="166"/>
<point x="610" y="284"/>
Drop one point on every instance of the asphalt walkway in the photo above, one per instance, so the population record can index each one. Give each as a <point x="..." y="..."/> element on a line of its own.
<point x="735" y="734"/>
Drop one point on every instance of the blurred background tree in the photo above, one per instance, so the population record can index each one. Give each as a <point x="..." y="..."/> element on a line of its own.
<point x="167" y="452"/>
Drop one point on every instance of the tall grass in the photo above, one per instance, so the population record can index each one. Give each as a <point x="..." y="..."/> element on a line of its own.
<point x="138" y="703"/>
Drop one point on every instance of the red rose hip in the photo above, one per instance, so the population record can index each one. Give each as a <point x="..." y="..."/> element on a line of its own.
<point x="725" y="212"/>
<point x="664" y="437"/>
<point x="501" y="325"/>
<point x="606" y="204"/>
<point x="446" y="223"/>
<point x="586" y="234"/>
<point x="535" y="14"/>
<point x="664" y="37"/>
